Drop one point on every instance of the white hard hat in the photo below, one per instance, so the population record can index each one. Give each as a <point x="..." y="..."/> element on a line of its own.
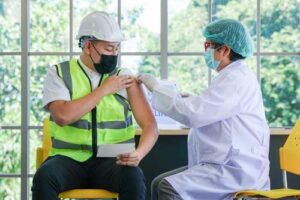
<point x="101" y="26"/>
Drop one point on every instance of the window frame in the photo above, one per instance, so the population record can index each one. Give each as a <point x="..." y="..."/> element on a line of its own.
<point x="163" y="54"/>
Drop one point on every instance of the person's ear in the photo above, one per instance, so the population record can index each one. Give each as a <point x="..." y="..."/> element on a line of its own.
<point x="87" y="47"/>
<point x="226" y="51"/>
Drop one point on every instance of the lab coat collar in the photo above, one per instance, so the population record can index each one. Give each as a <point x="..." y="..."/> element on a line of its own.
<point x="232" y="65"/>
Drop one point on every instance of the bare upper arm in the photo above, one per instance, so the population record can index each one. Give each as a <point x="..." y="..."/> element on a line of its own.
<point x="139" y="105"/>
<point x="55" y="108"/>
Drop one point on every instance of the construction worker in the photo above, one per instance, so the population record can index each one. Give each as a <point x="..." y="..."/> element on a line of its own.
<point x="92" y="102"/>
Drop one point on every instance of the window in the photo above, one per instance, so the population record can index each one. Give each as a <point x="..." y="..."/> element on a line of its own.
<point x="163" y="38"/>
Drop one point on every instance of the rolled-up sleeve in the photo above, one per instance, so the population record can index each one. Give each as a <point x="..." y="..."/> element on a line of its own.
<point x="54" y="88"/>
<point x="124" y="71"/>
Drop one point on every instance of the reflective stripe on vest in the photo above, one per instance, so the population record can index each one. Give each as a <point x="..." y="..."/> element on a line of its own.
<point x="65" y="70"/>
<point x="65" y="145"/>
<point x="84" y="124"/>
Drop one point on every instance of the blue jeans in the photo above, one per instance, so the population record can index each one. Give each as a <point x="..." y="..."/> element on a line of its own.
<point x="60" y="173"/>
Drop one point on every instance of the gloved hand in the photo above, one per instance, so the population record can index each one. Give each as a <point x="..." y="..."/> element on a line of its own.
<point x="149" y="81"/>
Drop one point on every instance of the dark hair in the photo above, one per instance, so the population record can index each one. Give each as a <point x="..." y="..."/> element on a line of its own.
<point x="83" y="39"/>
<point x="233" y="56"/>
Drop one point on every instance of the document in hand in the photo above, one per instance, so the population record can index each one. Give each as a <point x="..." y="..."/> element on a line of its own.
<point x="112" y="150"/>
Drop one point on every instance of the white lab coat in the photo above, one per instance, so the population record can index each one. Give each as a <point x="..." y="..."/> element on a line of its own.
<point x="228" y="143"/>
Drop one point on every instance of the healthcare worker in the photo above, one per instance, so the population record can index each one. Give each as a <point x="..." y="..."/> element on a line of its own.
<point x="228" y="143"/>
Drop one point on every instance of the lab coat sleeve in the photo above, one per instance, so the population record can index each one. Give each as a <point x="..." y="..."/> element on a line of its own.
<point x="218" y="102"/>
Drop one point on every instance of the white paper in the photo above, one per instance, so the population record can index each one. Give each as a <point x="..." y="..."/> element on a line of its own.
<point x="112" y="150"/>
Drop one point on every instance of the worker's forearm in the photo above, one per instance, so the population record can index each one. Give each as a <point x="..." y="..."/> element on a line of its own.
<point x="73" y="110"/>
<point x="148" y="138"/>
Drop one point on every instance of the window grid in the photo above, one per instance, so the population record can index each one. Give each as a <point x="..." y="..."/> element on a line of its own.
<point x="258" y="26"/>
<point x="210" y="19"/>
<point x="164" y="40"/>
<point x="25" y="80"/>
<point x="164" y="54"/>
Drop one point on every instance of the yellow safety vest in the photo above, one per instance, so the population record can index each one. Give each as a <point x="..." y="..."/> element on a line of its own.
<point x="109" y="122"/>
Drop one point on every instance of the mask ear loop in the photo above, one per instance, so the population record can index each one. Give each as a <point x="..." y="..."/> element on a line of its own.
<point x="96" y="49"/>
<point x="97" y="53"/>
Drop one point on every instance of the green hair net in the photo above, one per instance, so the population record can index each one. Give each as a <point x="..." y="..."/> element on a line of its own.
<point x="231" y="33"/>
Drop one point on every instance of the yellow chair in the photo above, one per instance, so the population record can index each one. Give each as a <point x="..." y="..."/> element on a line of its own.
<point x="42" y="154"/>
<point x="289" y="156"/>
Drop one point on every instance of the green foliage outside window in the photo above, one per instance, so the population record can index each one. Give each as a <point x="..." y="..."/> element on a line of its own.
<point x="279" y="75"/>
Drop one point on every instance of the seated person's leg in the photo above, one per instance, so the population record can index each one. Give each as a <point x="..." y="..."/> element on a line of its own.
<point x="57" y="174"/>
<point x="167" y="192"/>
<point x="156" y="183"/>
<point x="129" y="182"/>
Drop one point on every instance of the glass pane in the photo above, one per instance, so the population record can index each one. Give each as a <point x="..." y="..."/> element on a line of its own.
<point x="280" y="81"/>
<point x="235" y="9"/>
<point x="251" y="64"/>
<point x="10" y="188"/>
<point x="190" y="73"/>
<point x="10" y="23"/>
<point x="10" y="90"/>
<point x="186" y="19"/>
<point x="83" y="7"/>
<point x="39" y="65"/>
<point x="10" y="154"/>
<point x="36" y="136"/>
<point x="30" y="186"/>
<point x="49" y="26"/>
<point x="280" y="26"/>
<point x="141" y="25"/>
<point x="141" y="64"/>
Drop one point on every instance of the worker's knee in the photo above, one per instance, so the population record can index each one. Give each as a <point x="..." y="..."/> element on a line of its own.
<point x="43" y="177"/>
<point x="46" y="184"/>
<point x="133" y="178"/>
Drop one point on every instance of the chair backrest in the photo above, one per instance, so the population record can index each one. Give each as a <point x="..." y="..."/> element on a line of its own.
<point x="290" y="152"/>
<point x="46" y="137"/>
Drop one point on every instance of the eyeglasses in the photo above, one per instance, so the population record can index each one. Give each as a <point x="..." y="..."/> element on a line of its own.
<point x="212" y="45"/>
<point x="207" y="45"/>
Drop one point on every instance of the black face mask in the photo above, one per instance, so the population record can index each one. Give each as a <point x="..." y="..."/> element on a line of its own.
<point x="107" y="63"/>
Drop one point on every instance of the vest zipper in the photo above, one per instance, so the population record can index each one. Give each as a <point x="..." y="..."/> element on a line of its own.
<point x="94" y="125"/>
<point x="94" y="131"/>
<point x="94" y="116"/>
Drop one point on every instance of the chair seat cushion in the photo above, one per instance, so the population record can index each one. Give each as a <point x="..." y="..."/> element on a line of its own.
<point x="88" y="193"/>
<point x="276" y="193"/>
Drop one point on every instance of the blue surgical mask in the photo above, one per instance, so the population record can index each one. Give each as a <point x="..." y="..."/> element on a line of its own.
<point x="210" y="60"/>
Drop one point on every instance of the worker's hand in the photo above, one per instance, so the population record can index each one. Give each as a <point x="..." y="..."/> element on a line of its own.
<point x="149" y="81"/>
<point x="116" y="83"/>
<point x="129" y="159"/>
